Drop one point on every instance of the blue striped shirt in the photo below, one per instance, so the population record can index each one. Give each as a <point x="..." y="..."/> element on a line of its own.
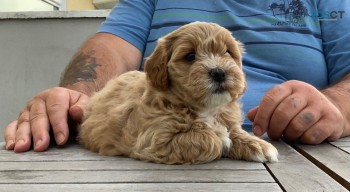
<point x="306" y="40"/>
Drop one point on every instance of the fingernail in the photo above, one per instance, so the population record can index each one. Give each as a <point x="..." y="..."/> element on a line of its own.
<point x="9" y="144"/>
<point x="20" y="142"/>
<point x="60" y="138"/>
<point x="257" y="130"/>
<point x="38" y="143"/>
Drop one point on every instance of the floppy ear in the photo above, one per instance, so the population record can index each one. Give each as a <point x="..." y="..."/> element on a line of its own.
<point x="156" y="67"/>
<point x="236" y="49"/>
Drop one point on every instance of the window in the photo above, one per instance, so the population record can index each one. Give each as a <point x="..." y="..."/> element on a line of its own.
<point x="54" y="5"/>
<point x="31" y="5"/>
<point x="57" y="4"/>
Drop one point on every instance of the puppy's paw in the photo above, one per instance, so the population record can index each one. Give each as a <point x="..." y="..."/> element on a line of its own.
<point x="253" y="149"/>
<point x="266" y="152"/>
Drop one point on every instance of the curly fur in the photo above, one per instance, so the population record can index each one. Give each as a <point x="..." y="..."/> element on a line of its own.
<point x="175" y="112"/>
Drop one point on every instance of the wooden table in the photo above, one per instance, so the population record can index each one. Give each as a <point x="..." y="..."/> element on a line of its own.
<point x="324" y="167"/>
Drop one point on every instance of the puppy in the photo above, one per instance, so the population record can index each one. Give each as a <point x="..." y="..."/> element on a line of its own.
<point x="183" y="109"/>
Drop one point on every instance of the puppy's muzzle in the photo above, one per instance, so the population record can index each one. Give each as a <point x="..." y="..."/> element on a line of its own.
<point x="218" y="77"/>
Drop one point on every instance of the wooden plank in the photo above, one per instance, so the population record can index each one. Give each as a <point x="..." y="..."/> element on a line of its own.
<point x="86" y="158"/>
<point x="74" y="169"/>
<point x="341" y="143"/>
<point x="151" y="176"/>
<point x="223" y="164"/>
<point x="296" y="173"/>
<point x="144" y="187"/>
<point x="344" y="139"/>
<point x="67" y="153"/>
<point x="346" y="149"/>
<point x="332" y="160"/>
<point x="74" y="157"/>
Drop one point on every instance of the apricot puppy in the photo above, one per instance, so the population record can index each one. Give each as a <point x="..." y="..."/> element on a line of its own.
<point x="182" y="109"/>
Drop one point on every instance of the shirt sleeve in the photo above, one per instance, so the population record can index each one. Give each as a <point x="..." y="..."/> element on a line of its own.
<point x="131" y="21"/>
<point x="334" y="17"/>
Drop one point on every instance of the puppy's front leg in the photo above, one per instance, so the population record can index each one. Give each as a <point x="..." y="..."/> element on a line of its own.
<point x="251" y="148"/>
<point x="182" y="144"/>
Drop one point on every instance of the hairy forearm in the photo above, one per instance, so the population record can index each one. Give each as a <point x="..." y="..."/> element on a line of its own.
<point x="339" y="94"/>
<point x="100" y="58"/>
<point x="81" y="73"/>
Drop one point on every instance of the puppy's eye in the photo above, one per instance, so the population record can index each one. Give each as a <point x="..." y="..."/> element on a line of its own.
<point x="190" y="57"/>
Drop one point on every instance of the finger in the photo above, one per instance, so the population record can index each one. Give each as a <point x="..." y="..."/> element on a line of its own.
<point x="337" y="131"/>
<point x="39" y="124"/>
<point x="284" y="113"/>
<point x="251" y="116"/>
<point x="10" y="135"/>
<point x="251" y="113"/>
<point x="336" y="119"/>
<point x="319" y="132"/>
<point x="301" y="123"/>
<point x="57" y="106"/>
<point x="267" y="106"/>
<point x="335" y="135"/>
<point x="77" y="103"/>
<point x="23" y="134"/>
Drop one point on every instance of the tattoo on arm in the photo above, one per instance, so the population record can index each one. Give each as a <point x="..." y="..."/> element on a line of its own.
<point x="81" y="68"/>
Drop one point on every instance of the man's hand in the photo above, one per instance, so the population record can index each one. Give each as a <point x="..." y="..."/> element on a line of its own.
<point x="297" y="110"/>
<point x="51" y="107"/>
<point x="99" y="59"/>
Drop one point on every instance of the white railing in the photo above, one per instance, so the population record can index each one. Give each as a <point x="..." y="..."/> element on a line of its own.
<point x="57" y="4"/>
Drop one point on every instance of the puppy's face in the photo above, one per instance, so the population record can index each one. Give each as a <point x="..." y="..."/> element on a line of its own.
<point x="200" y="63"/>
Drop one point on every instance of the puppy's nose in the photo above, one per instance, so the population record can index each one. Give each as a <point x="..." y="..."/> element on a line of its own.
<point x="217" y="74"/>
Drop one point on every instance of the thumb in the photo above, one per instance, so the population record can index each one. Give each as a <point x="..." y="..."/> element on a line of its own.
<point x="76" y="111"/>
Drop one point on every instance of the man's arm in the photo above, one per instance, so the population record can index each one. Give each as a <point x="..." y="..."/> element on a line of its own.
<point x="99" y="59"/>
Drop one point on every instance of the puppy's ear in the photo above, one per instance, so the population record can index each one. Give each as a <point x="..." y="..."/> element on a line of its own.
<point x="240" y="47"/>
<point x="237" y="50"/>
<point x="156" y="67"/>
